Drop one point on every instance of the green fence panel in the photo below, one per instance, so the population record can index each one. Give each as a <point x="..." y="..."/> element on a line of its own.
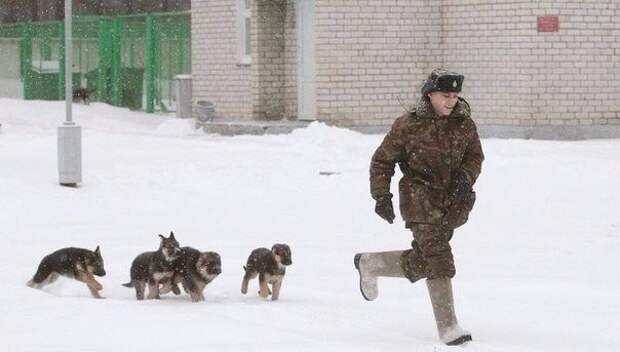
<point x="10" y="57"/>
<point x="46" y="60"/>
<point x="128" y="61"/>
<point x="117" y="89"/>
<point x="26" y="61"/>
<point x="133" y="53"/>
<point x="86" y="54"/>
<point x="174" y="56"/>
<point x="104" y="64"/>
<point x="149" y="65"/>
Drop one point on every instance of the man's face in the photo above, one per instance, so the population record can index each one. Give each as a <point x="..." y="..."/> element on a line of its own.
<point x="443" y="102"/>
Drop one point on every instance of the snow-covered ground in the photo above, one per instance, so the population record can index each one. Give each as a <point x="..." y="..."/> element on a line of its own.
<point x="538" y="266"/>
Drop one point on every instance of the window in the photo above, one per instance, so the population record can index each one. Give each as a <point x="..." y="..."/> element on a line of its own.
<point x="245" y="31"/>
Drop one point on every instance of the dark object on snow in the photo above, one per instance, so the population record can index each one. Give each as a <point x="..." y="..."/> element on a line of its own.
<point x="328" y="173"/>
<point x="154" y="268"/>
<point x="270" y="267"/>
<point x="194" y="270"/>
<point x="76" y="263"/>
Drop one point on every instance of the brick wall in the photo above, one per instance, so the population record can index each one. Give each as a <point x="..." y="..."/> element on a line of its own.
<point x="217" y="75"/>
<point x="265" y="89"/>
<point x="518" y="76"/>
<point x="370" y="54"/>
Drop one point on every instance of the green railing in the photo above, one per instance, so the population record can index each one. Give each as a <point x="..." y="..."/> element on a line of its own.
<point x="126" y="61"/>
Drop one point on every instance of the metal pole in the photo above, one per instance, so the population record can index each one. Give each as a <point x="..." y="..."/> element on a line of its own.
<point x="69" y="61"/>
<point x="69" y="134"/>
<point x="61" y="62"/>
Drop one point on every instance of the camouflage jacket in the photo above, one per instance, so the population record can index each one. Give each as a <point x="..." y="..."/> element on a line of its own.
<point x="429" y="150"/>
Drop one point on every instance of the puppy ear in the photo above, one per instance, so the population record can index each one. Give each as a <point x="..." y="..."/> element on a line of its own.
<point x="162" y="236"/>
<point x="171" y="235"/>
<point x="97" y="251"/>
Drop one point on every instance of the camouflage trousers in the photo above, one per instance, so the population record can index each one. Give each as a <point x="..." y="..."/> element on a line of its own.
<point x="431" y="254"/>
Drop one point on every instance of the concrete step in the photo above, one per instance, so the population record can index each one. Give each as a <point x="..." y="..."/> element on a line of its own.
<point x="251" y="127"/>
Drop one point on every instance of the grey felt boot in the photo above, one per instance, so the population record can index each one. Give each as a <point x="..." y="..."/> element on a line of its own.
<point x="373" y="265"/>
<point x="440" y="291"/>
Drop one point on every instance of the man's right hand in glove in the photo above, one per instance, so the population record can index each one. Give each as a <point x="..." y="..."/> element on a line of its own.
<point x="460" y="186"/>
<point x="384" y="208"/>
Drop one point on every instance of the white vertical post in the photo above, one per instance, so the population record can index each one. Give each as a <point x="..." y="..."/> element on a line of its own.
<point x="69" y="134"/>
<point x="306" y="63"/>
<point x="184" y="96"/>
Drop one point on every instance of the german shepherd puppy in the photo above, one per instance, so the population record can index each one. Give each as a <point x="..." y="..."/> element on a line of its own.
<point x="194" y="270"/>
<point x="154" y="267"/>
<point x="82" y="94"/>
<point x="270" y="267"/>
<point x="76" y="263"/>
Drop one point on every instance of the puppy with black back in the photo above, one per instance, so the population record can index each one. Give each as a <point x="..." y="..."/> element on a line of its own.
<point x="76" y="263"/>
<point x="153" y="268"/>
<point x="195" y="270"/>
<point x="270" y="267"/>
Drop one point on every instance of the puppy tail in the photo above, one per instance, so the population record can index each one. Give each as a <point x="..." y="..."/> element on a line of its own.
<point x="129" y="284"/>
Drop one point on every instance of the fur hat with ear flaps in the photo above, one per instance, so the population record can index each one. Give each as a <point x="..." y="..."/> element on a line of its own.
<point x="442" y="80"/>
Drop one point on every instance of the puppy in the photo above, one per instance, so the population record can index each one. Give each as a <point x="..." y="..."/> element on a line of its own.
<point x="154" y="268"/>
<point x="82" y="94"/>
<point x="76" y="263"/>
<point x="269" y="266"/>
<point x="195" y="270"/>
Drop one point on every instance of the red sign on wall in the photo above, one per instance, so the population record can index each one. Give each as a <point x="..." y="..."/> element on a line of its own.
<point x="548" y="24"/>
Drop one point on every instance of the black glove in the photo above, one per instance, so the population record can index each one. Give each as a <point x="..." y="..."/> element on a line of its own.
<point x="384" y="208"/>
<point x="459" y="186"/>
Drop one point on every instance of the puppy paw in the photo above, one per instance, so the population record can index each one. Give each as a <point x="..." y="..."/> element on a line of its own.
<point x="197" y="297"/>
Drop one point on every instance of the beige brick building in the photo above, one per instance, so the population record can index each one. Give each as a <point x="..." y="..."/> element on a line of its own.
<point x="546" y="69"/>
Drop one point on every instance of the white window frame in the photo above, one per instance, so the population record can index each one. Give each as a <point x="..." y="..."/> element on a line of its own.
<point x="244" y="45"/>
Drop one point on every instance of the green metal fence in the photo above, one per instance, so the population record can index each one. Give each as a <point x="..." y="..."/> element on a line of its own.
<point x="11" y="66"/>
<point x="126" y="61"/>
